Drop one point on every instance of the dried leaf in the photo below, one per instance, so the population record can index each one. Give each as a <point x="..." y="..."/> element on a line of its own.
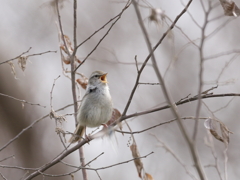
<point x="209" y="124"/>
<point x="148" y="177"/>
<point x="52" y="4"/>
<point x="83" y="82"/>
<point x="68" y="44"/>
<point x="66" y="60"/>
<point x="59" y="118"/>
<point x="215" y="134"/>
<point x="115" y="116"/>
<point x="12" y="68"/>
<point x="22" y="62"/>
<point x="22" y="105"/>
<point x="225" y="133"/>
<point x="230" y="8"/>
<point x="76" y="59"/>
<point x="138" y="163"/>
<point x="59" y="130"/>
<point x="157" y="15"/>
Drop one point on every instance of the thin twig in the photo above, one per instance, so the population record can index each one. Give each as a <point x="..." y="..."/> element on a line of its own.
<point x="38" y="54"/>
<point x="210" y="144"/>
<point x="70" y="165"/>
<point x="201" y="56"/>
<point x="204" y="96"/>
<point x="27" y="55"/>
<point x="16" y="57"/>
<point x="59" y="158"/>
<point x="98" y="175"/>
<point x="61" y="29"/>
<point x="225" y="162"/>
<point x="109" y="29"/>
<point x="22" y="101"/>
<point x="224" y="106"/>
<point x="4" y="159"/>
<point x="51" y="96"/>
<point x="136" y="62"/>
<point x="3" y="176"/>
<point x="18" y="167"/>
<point x="163" y="145"/>
<point x="56" y="117"/>
<point x="234" y="51"/>
<point x="149" y="83"/>
<point x="30" y="126"/>
<point x="160" y="124"/>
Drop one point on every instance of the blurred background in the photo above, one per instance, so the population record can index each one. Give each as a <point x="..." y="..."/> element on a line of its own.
<point x="27" y="23"/>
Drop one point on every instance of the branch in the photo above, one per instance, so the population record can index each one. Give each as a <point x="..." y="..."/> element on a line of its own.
<point x="4" y="159"/>
<point x="150" y="54"/>
<point x="3" y="176"/>
<point x="30" y="126"/>
<point x="17" y="56"/>
<point x="22" y="101"/>
<point x="201" y="46"/>
<point x="234" y="51"/>
<point x="161" y="81"/>
<point x="27" y="56"/>
<point x="205" y="96"/>
<point x="168" y="149"/>
<point x="152" y="127"/>
<point x="68" y="152"/>
<point x="61" y="29"/>
<point x="118" y="17"/>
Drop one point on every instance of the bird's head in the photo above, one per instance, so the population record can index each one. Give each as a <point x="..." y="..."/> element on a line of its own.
<point x="98" y="77"/>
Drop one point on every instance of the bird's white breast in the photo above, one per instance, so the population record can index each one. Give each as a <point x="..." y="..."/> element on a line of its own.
<point x="96" y="107"/>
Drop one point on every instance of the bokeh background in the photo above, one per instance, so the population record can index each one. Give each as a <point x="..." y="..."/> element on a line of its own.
<point x="27" y="23"/>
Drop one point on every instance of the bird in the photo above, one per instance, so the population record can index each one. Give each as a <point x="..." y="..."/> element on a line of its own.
<point x="96" y="106"/>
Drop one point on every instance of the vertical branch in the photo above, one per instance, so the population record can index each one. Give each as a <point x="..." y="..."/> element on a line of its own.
<point x="201" y="46"/>
<point x="72" y="60"/>
<point x="74" y="25"/>
<point x="81" y="152"/>
<point x="61" y="30"/>
<point x="171" y="103"/>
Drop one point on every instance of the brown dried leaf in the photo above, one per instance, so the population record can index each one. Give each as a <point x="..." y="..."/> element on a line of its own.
<point x="12" y="68"/>
<point x="68" y="44"/>
<point x="58" y="118"/>
<point x="210" y="125"/>
<point x="66" y="60"/>
<point x="157" y="15"/>
<point x="76" y="59"/>
<point x="225" y="133"/>
<point x="22" y="62"/>
<point x="115" y="116"/>
<point x="83" y="82"/>
<point x="138" y="163"/>
<point x="148" y="177"/>
<point x="230" y="8"/>
<point x="215" y="134"/>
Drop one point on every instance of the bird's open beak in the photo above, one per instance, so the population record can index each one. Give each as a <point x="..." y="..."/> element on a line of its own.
<point x="104" y="78"/>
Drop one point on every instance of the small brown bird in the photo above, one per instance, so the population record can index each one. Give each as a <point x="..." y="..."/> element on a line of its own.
<point x="96" y="107"/>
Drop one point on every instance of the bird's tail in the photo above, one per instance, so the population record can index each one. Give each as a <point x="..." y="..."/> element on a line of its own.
<point x="78" y="133"/>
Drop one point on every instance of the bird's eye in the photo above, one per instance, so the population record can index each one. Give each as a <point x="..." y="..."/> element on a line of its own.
<point x="95" y="76"/>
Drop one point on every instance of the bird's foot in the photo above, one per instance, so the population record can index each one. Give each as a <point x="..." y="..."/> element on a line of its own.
<point x="105" y="126"/>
